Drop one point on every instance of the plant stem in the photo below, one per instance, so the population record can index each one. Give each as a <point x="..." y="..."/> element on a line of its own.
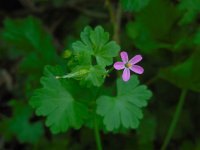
<point x="110" y="70"/>
<point x="111" y="11"/>
<point x="97" y="135"/>
<point x="117" y="24"/>
<point x="115" y="18"/>
<point x="175" y="119"/>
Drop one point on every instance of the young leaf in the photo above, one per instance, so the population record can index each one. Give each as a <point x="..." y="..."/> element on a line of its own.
<point x="94" y="52"/>
<point x="124" y="110"/>
<point x="95" y="43"/>
<point x="56" y="101"/>
<point x="134" y="5"/>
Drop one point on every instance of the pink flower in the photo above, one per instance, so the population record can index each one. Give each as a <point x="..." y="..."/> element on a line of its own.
<point x="128" y="65"/>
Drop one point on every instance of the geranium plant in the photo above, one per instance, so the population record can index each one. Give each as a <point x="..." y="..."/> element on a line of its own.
<point x="74" y="95"/>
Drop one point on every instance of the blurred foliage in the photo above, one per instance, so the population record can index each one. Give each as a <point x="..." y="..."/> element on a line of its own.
<point x="134" y="5"/>
<point x="186" y="74"/>
<point x="20" y="126"/>
<point x="151" y="31"/>
<point x="190" y="9"/>
<point x="27" y="39"/>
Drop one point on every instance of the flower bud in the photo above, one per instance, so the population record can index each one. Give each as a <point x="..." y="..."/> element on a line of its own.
<point x="76" y="74"/>
<point x="67" y="53"/>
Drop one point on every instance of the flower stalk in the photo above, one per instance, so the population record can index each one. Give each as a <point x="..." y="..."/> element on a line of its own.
<point x="97" y="134"/>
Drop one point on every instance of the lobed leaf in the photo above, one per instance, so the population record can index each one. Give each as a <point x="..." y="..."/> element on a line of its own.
<point x="124" y="110"/>
<point x="56" y="101"/>
<point x="94" y="52"/>
<point x="94" y="43"/>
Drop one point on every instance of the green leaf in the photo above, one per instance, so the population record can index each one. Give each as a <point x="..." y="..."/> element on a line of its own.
<point x="134" y="5"/>
<point x="104" y="56"/>
<point x="124" y="110"/>
<point x="184" y="75"/>
<point x="56" y="101"/>
<point x="190" y="9"/>
<point x="94" y="52"/>
<point x="95" y="44"/>
<point x="98" y="37"/>
<point x="20" y="126"/>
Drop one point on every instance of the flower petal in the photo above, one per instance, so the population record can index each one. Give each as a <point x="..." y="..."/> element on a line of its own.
<point x="119" y="65"/>
<point x="137" y="69"/>
<point x="126" y="74"/>
<point x="135" y="59"/>
<point x="124" y="56"/>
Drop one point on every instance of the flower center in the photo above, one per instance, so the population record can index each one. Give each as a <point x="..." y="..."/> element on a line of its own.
<point x="128" y="65"/>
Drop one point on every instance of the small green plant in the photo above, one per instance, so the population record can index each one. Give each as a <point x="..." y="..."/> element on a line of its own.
<point x="77" y="97"/>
